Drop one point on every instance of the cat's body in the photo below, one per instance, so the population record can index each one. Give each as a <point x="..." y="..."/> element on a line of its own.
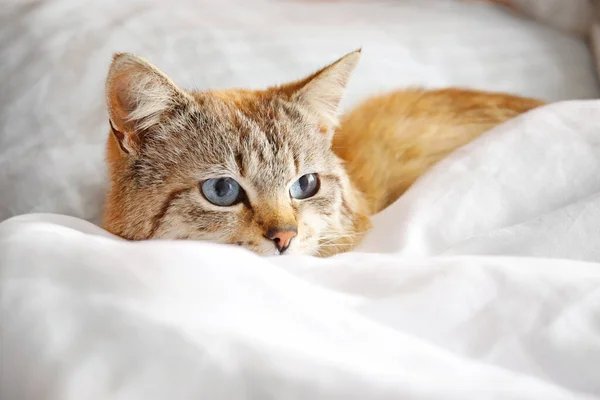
<point x="257" y="169"/>
<point x="389" y="141"/>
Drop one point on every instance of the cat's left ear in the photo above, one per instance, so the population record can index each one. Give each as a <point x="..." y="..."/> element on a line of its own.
<point x="138" y="97"/>
<point x="320" y="93"/>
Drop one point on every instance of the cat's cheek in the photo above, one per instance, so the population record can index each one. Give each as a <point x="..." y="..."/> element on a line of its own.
<point x="312" y="225"/>
<point x="308" y="247"/>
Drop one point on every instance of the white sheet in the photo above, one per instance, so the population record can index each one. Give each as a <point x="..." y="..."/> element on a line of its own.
<point x="54" y="55"/>
<point x="85" y="315"/>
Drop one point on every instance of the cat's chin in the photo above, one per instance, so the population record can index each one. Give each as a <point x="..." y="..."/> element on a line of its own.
<point x="292" y="251"/>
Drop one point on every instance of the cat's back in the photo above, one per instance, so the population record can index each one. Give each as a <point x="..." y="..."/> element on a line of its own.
<point x="390" y="140"/>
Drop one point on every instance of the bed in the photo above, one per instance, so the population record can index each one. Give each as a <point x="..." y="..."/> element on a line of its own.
<point x="482" y="281"/>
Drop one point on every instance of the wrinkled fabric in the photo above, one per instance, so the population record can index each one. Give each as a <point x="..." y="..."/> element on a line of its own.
<point x="574" y="16"/>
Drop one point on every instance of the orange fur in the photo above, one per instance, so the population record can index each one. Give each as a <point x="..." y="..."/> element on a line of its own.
<point x="390" y="140"/>
<point x="167" y="141"/>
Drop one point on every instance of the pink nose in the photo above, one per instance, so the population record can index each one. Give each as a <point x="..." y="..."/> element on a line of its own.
<point x="282" y="237"/>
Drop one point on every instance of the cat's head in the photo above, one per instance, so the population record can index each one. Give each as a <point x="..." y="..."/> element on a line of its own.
<point x="252" y="168"/>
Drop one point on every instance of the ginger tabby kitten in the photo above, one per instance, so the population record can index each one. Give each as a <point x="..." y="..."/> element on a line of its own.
<point x="273" y="170"/>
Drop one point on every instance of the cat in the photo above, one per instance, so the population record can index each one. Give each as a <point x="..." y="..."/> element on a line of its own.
<point x="275" y="170"/>
<point x="389" y="141"/>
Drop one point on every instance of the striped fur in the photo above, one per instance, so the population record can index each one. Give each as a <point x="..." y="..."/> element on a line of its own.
<point x="166" y="141"/>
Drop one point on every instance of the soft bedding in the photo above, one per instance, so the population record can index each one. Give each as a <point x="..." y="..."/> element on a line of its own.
<point x="427" y="308"/>
<point x="579" y="17"/>
<point x="482" y="282"/>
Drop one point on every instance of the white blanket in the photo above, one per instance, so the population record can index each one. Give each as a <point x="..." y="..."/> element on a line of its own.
<point x="427" y="310"/>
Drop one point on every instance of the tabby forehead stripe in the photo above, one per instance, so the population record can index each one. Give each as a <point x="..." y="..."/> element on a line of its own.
<point x="157" y="219"/>
<point x="296" y="158"/>
<point x="239" y="160"/>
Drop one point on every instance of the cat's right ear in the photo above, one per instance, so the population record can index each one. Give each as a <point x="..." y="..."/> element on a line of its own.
<point x="137" y="97"/>
<point x="321" y="93"/>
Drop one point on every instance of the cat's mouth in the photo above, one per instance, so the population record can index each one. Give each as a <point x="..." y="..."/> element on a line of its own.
<point x="270" y="248"/>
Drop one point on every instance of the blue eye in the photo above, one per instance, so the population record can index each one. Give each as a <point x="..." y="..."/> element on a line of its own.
<point x="305" y="187"/>
<point x="222" y="191"/>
